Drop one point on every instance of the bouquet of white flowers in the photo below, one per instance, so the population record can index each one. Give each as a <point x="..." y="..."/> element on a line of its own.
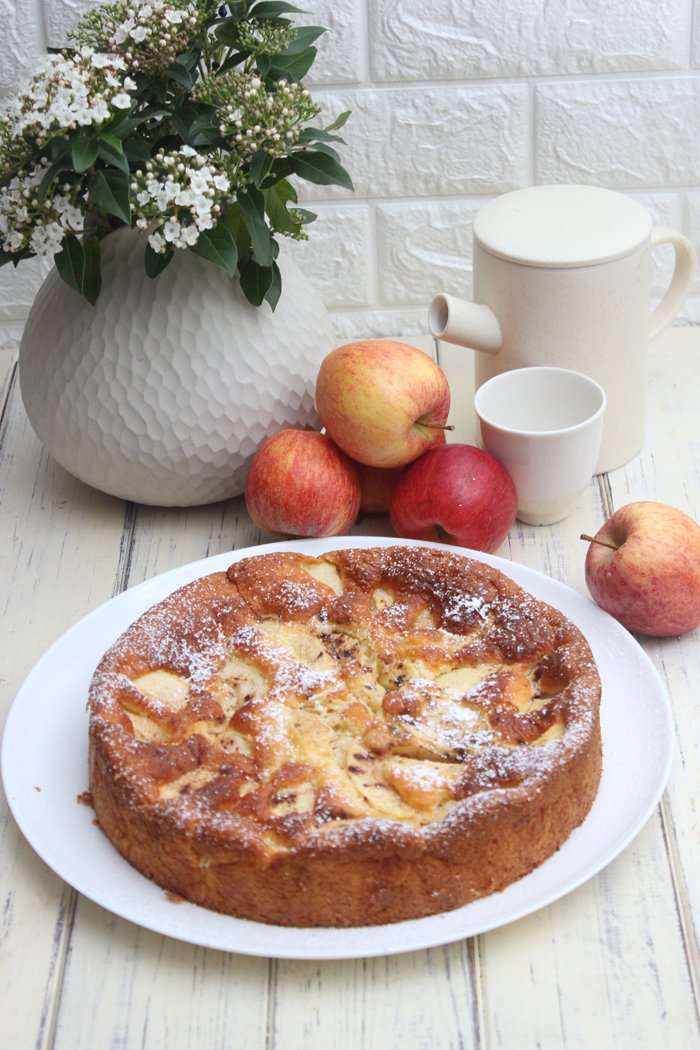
<point x="186" y="119"/>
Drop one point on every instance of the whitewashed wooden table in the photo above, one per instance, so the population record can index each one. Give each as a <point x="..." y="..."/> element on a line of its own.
<point x="615" y="963"/>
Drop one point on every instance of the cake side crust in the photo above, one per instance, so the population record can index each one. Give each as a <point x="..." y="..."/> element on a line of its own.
<point x="367" y="737"/>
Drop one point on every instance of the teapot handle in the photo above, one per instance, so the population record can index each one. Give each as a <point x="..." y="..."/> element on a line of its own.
<point x="683" y="272"/>
<point x="465" y="324"/>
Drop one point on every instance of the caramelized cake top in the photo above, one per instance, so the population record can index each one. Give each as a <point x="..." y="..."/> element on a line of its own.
<point x="298" y="701"/>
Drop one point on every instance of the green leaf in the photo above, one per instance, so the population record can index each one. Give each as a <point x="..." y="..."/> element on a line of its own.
<point x="309" y="135"/>
<point x="295" y="67"/>
<point x="233" y="60"/>
<point x="263" y="65"/>
<point x="149" y="113"/>
<point x="189" y="59"/>
<point x="70" y="262"/>
<point x="233" y="221"/>
<point x="92" y="273"/>
<point x="326" y="134"/>
<point x="305" y="36"/>
<point x="273" y="9"/>
<point x="206" y="138"/>
<point x="45" y="184"/>
<point x="281" y="169"/>
<point x="179" y="73"/>
<point x="155" y="262"/>
<point x="256" y="281"/>
<point x="285" y="191"/>
<point x="273" y="293"/>
<point x="307" y="216"/>
<point x="119" y="124"/>
<point x="252" y="205"/>
<point x="218" y="246"/>
<point x="323" y="147"/>
<point x="154" y="94"/>
<point x="197" y="124"/>
<point x="227" y="32"/>
<point x="59" y="148"/>
<point x="84" y="153"/>
<point x="110" y="191"/>
<point x="136" y="150"/>
<point x="319" y="168"/>
<point x="260" y="167"/>
<point x="112" y="141"/>
<point x="205" y="130"/>
<point x="277" y="198"/>
<point x="111" y="151"/>
<point x="339" y="121"/>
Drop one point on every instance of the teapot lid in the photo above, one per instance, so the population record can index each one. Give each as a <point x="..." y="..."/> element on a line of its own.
<point x="562" y="225"/>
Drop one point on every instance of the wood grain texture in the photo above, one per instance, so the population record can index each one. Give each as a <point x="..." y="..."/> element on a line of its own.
<point x="669" y="471"/>
<point x="59" y="558"/>
<point x="615" y="963"/>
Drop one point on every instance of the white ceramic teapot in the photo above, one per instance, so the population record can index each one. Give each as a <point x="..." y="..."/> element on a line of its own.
<point x="562" y="277"/>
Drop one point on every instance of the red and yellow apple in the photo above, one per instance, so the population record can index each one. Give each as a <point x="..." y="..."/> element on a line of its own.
<point x="377" y="483"/>
<point x="383" y="402"/>
<point x="301" y="484"/>
<point x="376" y="487"/>
<point x="455" y="494"/>
<point x="643" y="567"/>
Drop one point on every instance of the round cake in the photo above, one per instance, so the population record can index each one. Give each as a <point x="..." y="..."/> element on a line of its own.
<point x="364" y="737"/>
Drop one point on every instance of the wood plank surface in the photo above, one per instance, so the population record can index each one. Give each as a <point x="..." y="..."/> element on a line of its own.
<point x="613" y="964"/>
<point x="669" y="470"/>
<point x="59" y="558"/>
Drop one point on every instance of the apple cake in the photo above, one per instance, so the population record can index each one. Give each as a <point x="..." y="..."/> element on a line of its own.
<point x="359" y="738"/>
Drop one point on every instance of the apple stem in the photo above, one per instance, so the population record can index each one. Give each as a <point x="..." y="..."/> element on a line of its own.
<point x="603" y="543"/>
<point x="438" y="426"/>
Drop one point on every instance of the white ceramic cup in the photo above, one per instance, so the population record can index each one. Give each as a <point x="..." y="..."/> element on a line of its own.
<point x="562" y="277"/>
<point x="545" y="426"/>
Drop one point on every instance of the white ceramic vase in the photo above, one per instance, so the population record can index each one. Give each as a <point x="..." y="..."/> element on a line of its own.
<point x="163" y="391"/>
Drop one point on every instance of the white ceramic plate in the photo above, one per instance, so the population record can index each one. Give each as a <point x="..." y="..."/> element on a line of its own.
<point x="45" y="769"/>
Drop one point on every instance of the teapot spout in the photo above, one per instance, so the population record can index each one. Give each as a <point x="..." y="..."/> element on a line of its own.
<point x="465" y="324"/>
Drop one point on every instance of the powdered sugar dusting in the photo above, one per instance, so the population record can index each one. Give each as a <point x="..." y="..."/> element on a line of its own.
<point x="359" y="704"/>
<point x="467" y="602"/>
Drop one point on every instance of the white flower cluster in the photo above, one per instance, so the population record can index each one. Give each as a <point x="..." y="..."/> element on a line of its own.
<point x="78" y="91"/>
<point x="183" y="188"/>
<point x="25" y="222"/>
<point x="259" y="34"/>
<point x="67" y="157"/>
<point x="149" y="35"/>
<point x="254" y="118"/>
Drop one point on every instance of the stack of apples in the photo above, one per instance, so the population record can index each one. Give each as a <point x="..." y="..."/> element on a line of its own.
<point x="384" y="407"/>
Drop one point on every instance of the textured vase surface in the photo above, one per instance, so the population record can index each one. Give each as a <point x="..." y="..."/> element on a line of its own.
<point x="163" y="391"/>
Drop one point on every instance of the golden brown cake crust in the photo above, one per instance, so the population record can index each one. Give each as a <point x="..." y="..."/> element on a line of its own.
<point x="369" y="736"/>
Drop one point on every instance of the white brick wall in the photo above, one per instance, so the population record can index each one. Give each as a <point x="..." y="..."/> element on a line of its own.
<point x="454" y="102"/>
